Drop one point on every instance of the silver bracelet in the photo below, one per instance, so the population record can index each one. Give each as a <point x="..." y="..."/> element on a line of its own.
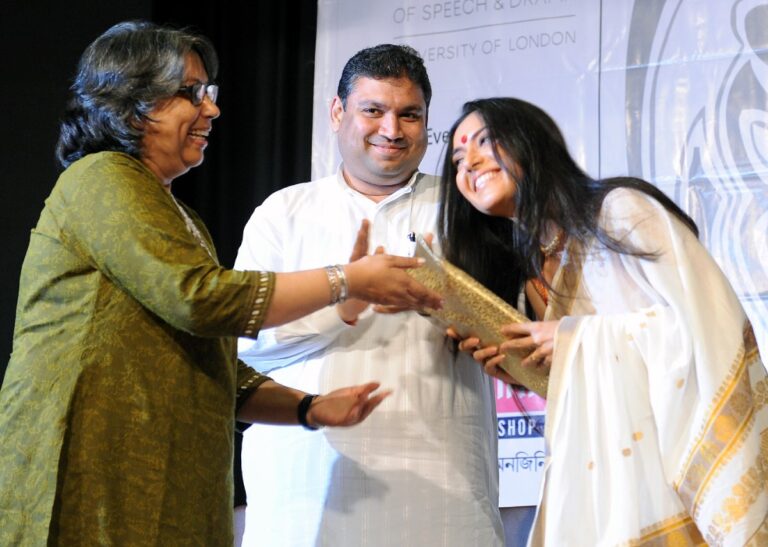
<point x="335" y="283"/>
<point x="343" y="285"/>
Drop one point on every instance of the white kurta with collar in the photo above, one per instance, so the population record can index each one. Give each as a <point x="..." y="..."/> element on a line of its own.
<point x="422" y="469"/>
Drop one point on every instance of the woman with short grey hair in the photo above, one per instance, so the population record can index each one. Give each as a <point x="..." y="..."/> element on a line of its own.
<point x="118" y="406"/>
<point x="120" y="78"/>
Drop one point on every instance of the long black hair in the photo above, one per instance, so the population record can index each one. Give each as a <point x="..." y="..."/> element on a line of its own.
<point x="503" y="253"/>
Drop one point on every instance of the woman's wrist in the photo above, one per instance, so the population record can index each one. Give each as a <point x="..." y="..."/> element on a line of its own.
<point x="338" y="283"/>
<point x="302" y="412"/>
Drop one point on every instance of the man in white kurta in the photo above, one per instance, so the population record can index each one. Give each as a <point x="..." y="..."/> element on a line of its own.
<point x="422" y="470"/>
<point x="657" y="423"/>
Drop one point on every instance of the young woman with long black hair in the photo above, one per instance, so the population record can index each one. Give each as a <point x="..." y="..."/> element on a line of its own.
<point x="656" y="409"/>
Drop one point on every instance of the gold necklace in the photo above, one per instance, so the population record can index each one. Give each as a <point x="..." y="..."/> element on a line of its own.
<point x="550" y="248"/>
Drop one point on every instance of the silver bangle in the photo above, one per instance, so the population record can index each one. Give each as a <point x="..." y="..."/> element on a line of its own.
<point x="343" y="285"/>
<point x="334" y="282"/>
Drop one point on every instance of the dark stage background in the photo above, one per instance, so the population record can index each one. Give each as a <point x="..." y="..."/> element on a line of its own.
<point x="261" y="142"/>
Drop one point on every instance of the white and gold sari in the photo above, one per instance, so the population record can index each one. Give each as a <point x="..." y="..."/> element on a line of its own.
<point x="657" y="424"/>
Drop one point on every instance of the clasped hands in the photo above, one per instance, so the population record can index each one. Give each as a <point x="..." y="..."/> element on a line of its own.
<point x="533" y="341"/>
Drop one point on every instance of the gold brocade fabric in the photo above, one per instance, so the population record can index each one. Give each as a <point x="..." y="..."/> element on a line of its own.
<point x="116" y="413"/>
<point x="473" y="310"/>
<point x="677" y="531"/>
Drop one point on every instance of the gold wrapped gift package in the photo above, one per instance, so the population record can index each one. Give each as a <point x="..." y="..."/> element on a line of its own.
<point x="473" y="310"/>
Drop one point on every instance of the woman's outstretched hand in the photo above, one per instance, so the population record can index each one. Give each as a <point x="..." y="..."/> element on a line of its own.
<point x="380" y="308"/>
<point x="380" y="279"/>
<point x="345" y="406"/>
<point x="367" y="279"/>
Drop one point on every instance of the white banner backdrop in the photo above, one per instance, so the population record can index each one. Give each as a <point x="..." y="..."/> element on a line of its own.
<point x="541" y="50"/>
<point x="673" y="91"/>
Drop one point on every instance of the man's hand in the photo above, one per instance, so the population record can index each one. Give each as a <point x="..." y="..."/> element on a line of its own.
<point x="352" y="308"/>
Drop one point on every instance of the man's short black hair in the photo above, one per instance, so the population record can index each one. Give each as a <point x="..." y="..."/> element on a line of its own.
<point x="384" y="61"/>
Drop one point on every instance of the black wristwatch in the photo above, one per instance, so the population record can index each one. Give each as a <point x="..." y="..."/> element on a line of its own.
<point x="303" y="408"/>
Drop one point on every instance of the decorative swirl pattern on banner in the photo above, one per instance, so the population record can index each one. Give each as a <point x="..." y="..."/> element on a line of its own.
<point x="702" y="106"/>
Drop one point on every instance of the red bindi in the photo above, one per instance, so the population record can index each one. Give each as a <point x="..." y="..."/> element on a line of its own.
<point x="463" y="139"/>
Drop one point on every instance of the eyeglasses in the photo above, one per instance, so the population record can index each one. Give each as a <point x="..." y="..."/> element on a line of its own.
<point x="196" y="93"/>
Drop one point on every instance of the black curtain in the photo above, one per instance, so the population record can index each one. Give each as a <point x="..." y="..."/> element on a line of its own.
<point x="261" y="142"/>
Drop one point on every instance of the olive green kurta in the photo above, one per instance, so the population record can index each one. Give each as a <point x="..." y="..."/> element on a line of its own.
<point x="116" y="414"/>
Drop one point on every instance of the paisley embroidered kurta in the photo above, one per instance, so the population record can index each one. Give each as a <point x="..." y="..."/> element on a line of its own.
<point x="116" y="413"/>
